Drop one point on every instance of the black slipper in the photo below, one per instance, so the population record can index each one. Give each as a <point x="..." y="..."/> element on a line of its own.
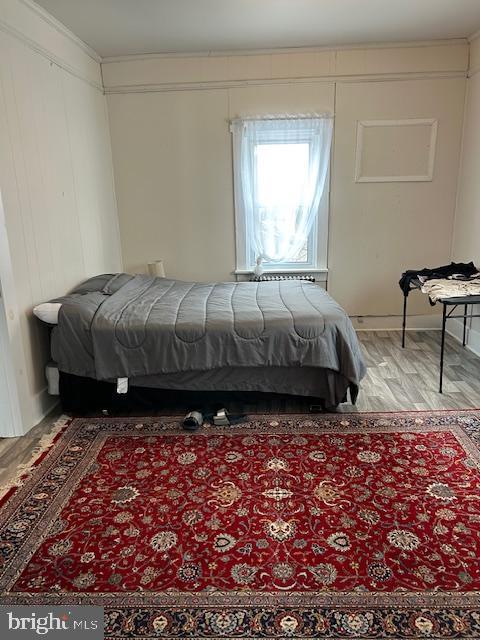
<point x="193" y="421"/>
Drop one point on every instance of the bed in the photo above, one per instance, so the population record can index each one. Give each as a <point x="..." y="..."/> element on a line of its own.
<point x="286" y="337"/>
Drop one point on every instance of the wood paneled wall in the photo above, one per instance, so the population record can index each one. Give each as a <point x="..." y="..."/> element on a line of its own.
<point x="169" y="118"/>
<point x="56" y="182"/>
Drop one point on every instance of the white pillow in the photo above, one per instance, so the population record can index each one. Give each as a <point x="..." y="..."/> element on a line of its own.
<point x="48" y="311"/>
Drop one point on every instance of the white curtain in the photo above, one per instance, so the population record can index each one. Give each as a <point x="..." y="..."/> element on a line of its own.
<point x="278" y="224"/>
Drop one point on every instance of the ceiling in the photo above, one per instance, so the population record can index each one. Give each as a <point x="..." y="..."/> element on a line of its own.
<point x="124" y="27"/>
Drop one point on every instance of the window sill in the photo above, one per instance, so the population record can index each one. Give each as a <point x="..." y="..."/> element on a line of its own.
<point x="292" y="271"/>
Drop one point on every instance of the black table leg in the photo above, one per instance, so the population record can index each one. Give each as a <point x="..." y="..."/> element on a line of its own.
<point x="465" y="324"/>
<point x="404" y="319"/>
<point x="444" y="322"/>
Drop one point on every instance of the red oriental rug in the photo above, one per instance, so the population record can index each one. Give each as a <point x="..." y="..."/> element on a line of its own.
<point x="338" y="526"/>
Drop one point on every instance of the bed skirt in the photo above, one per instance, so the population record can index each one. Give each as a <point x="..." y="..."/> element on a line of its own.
<point x="81" y="395"/>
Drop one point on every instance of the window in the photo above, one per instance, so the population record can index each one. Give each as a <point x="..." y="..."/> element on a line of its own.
<point x="281" y="169"/>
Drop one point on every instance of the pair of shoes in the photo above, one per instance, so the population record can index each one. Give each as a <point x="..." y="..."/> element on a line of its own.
<point x="193" y="421"/>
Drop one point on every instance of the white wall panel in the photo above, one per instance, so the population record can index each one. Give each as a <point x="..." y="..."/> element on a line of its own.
<point x="173" y="167"/>
<point x="57" y="187"/>
<point x="172" y="159"/>
<point x="396" y="150"/>
<point x="377" y="230"/>
<point x="466" y="244"/>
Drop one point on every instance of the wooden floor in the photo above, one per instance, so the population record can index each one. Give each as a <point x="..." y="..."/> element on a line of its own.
<point x="400" y="379"/>
<point x="397" y="380"/>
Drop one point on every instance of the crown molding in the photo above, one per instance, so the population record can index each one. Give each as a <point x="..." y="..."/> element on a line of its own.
<point x="34" y="46"/>
<point x="231" y="84"/>
<point x="61" y="28"/>
<point x="291" y="50"/>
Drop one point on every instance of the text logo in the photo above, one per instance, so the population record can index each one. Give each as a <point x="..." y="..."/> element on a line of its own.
<point x="22" y="622"/>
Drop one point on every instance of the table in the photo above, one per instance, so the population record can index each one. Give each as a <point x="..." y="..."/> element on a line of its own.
<point x="446" y="302"/>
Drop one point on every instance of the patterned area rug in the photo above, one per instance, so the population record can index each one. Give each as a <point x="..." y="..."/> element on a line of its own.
<point x="338" y="526"/>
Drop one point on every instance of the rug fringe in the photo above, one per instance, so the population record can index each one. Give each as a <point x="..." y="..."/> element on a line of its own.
<point x="25" y="469"/>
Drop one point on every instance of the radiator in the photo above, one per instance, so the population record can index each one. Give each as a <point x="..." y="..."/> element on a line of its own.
<point x="282" y="276"/>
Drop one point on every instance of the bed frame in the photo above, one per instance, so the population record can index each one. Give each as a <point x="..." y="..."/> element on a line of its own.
<point x="85" y="396"/>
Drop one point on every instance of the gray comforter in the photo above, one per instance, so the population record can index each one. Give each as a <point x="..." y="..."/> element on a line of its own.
<point x="128" y="326"/>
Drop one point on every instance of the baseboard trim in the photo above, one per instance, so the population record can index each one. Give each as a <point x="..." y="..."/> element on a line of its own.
<point x="43" y="403"/>
<point x="394" y="323"/>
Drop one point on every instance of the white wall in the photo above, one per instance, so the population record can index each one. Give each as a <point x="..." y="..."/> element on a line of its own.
<point x="173" y="166"/>
<point x="174" y="184"/>
<point x="55" y="179"/>
<point x="380" y="229"/>
<point x="466" y="242"/>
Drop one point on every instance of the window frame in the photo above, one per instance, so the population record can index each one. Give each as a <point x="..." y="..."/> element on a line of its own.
<point x="317" y="239"/>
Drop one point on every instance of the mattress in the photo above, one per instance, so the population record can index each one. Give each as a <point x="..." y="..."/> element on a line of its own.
<point x="118" y="325"/>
